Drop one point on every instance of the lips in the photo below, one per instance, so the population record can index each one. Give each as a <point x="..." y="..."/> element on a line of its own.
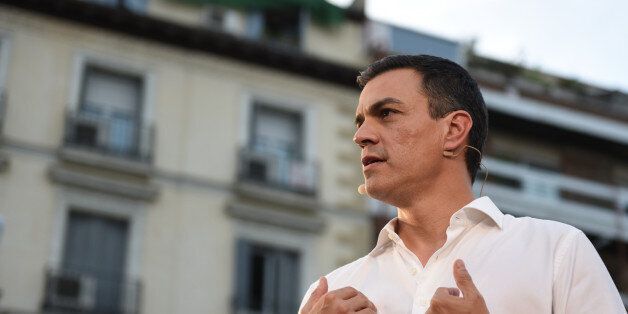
<point x="368" y="160"/>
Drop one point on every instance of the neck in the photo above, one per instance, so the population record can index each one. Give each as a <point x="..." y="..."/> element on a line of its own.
<point x="423" y="222"/>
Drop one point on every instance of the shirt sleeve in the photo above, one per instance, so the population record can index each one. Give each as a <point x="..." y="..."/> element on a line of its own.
<point x="582" y="283"/>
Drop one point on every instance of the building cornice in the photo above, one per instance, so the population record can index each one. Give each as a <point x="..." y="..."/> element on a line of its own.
<point x="287" y="59"/>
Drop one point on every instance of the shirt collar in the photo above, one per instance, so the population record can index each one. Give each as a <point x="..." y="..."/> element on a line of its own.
<point x="476" y="210"/>
<point x="484" y="206"/>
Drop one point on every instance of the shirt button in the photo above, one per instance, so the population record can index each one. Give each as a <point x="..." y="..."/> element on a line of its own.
<point x="413" y="271"/>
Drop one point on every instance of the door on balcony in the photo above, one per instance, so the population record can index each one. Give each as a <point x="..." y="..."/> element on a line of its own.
<point x="267" y="279"/>
<point x="277" y="139"/>
<point x="277" y="132"/>
<point x="112" y="100"/>
<point x="96" y="247"/>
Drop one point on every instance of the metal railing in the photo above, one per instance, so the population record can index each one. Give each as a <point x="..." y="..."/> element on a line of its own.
<point x="109" y="135"/>
<point x="280" y="172"/>
<point x="597" y="206"/>
<point x="71" y="291"/>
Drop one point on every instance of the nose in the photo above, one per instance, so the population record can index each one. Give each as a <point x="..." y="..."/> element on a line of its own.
<point x="365" y="135"/>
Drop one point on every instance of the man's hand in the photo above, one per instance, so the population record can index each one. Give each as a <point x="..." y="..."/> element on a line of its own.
<point x="448" y="300"/>
<point x="344" y="300"/>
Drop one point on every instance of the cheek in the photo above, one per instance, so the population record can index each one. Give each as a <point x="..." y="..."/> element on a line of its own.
<point x="416" y="141"/>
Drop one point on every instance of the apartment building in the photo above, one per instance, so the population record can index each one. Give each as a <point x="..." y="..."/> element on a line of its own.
<point x="172" y="156"/>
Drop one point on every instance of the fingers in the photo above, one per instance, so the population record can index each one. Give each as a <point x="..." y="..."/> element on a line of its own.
<point x="445" y="299"/>
<point x="360" y="302"/>
<point x="345" y="293"/>
<point x="320" y="290"/>
<point x="443" y="293"/>
<point x="448" y="300"/>
<point x="454" y="292"/>
<point x="463" y="279"/>
<point x="343" y="300"/>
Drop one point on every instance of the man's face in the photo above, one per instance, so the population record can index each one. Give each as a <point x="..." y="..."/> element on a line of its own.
<point x="401" y="144"/>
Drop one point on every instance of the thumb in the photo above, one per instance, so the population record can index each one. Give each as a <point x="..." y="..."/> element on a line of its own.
<point x="463" y="279"/>
<point x="320" y="290"/>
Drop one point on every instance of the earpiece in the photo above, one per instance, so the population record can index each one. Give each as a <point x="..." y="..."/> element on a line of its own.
<point x="450" y="153"/>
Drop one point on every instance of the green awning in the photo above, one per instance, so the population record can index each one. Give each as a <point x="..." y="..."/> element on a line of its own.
<point x="322" y="11"/>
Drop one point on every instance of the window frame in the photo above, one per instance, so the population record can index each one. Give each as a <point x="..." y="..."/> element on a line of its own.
<point x="75" y="200"/>
<point x="281" y="102"/>
<point x="119" y="65"/>
<point x="279" y="238"/>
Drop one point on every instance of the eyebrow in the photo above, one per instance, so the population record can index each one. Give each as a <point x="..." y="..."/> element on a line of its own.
<point x="375" y="107"/>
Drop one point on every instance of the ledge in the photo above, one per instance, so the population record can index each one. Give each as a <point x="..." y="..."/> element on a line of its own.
<point x="294" y="221"/>
<point x="276" y="196"/>
<point x="98" y="160"/>
<point x="146" y="192"/>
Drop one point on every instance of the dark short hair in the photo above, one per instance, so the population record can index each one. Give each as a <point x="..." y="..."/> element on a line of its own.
<point x="448" y="87"/>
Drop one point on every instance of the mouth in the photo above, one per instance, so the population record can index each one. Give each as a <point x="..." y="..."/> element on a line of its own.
<point x="369" y="161"/>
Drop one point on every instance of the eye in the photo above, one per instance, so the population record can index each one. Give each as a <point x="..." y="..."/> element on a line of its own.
<point x="385" y="112"/>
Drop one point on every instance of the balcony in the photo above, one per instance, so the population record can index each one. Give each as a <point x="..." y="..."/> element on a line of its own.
<point x="69" y="291"/>
<point x="108" y="153"/>
<point x="521" y="190"/>
<point x="278" y="172"/>
<point x="111" y="135"/>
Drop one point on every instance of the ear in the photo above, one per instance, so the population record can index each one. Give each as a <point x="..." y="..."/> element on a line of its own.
<point x="458" y="126"/>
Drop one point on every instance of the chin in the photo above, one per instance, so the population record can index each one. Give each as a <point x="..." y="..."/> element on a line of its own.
<point x="379" y="190"/>
<point x="389" y="192"/>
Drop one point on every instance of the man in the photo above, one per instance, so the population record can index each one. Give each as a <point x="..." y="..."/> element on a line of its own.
<point x="421" y="126"/>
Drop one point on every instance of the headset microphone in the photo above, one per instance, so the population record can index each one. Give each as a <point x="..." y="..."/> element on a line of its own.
<point x="362" y="189"/>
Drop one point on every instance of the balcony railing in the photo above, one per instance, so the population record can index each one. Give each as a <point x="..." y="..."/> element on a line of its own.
<point x="112" y="135"/>
<point x="280" y="172"/>
<point x="69" y="291"/>
<point x="593" y="206"/>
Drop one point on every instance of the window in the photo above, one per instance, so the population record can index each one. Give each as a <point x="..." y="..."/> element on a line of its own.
<point x="108" y="116"/>
<point x="215" y="16"/>
<point x="137" y="6"/>
<point x="524" y="151"/>
<point x="277" y="25"/>
<point x="277" y="132"/>
<point x="274" y="154"/>
<point x="267" y="279"/>
<point x="92" y="276"/>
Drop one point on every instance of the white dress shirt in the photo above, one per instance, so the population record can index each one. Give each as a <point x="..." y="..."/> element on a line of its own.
<point x="519" y="265"/>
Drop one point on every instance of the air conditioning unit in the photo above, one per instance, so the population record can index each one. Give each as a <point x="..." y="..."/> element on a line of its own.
<point x="85" y="132"/>
<point x="257" y="167"/>
<point x="72" y="291"/>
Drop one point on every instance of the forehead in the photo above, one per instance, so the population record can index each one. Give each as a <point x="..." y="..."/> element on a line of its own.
<point x="403" y="84"/>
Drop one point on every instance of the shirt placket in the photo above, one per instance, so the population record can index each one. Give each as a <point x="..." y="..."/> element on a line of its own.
<point x="423" y="276"/>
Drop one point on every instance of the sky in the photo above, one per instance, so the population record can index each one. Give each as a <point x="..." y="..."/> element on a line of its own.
<point x="583" y="40"/>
